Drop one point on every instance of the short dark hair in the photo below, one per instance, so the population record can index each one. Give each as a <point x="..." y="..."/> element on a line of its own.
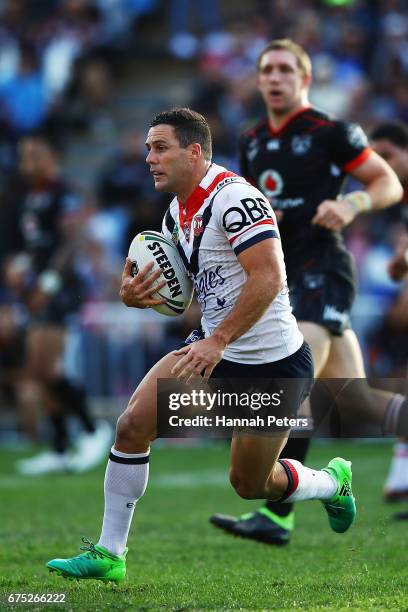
<point x="394" y="131"/>
<point x="189" y="127"/>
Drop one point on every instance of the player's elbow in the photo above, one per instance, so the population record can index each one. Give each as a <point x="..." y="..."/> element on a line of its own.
<point x="393" y="190"/>
<point x="273" y="283"/>
<point x="399" y="191"/>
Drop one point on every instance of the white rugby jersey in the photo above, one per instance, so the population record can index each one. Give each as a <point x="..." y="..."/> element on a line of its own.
<point x="222" y="217"/>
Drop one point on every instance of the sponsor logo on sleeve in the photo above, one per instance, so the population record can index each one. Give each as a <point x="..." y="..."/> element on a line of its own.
<point x="252" y="210"/>
<point x="228" y="179"/>
<point x="356" y="136"/>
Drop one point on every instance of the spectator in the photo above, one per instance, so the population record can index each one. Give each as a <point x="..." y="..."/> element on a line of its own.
<point x="23" y="98"/>
<point x="183" y="43"/>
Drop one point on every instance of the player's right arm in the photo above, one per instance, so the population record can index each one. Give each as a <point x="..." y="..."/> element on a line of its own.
<point x="136" y="291"/>
<point x="398" y="266"/>
<point x="380" y="181"/>
<point x="349" y="150"/>
<point x="265" y="270"/>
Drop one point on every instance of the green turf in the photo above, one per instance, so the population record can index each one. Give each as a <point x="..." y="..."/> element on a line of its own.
<point x="178" y="561"/>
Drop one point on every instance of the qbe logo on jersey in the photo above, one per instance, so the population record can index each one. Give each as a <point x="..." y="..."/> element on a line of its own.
<point x="253" y="210"/>
<point x="271" y="183"/>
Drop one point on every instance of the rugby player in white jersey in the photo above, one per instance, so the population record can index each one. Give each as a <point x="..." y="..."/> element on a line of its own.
<point x="225" y="229"/>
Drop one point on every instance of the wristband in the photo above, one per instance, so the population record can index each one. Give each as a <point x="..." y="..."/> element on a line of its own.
<point x="49" y="282"/>
<point x="360" y="201"/>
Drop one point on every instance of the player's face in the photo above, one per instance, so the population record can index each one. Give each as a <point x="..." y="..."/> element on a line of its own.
<point x="396" y="156"/>
<point x="281" y="82"/>
<point x="168" y="161"/>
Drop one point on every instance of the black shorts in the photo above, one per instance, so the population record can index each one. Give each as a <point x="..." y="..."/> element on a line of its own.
<point x="271" y="378"/>
<point x="298" y="365"/>
<point x="323" y="288"/>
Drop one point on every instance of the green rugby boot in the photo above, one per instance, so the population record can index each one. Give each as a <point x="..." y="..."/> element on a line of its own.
<point x="96" y="563"/>
<point x="341" y="508"/>
<point x="262" y="525"/>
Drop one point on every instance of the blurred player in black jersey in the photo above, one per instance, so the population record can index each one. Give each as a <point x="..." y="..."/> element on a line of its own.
<point x="299" y="157"/>
<point x="390" y="140"/>
<point x="43" y="214"/>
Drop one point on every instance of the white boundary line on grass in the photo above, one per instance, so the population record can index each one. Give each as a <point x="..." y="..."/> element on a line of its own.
<point x="180" y="480"/>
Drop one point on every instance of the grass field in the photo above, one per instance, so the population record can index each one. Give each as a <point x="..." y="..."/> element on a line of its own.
<point x="178" y="561"/>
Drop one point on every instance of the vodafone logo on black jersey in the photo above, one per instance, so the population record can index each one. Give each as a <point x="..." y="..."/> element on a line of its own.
<point x="271" y="183"/>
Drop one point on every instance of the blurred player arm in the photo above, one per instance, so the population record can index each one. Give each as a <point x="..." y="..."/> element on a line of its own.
<point x="398" y="266"/>
<point x="382" y="189"/>
<point x="74" y="211"/>
<point x="381" y="183"/>
<point x="45" y="276"/>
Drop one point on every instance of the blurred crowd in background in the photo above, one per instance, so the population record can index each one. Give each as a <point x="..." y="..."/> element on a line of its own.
<point x="79" y="80"/>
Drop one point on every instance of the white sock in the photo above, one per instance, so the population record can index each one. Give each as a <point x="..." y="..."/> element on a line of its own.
<point x="126" y="479"/>
<point x="397" y="479"/>
<point x="305" y="483"/>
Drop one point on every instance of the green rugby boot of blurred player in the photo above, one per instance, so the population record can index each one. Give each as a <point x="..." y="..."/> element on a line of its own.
<point x="263" y="526"/>
<point x="96" y="563"/>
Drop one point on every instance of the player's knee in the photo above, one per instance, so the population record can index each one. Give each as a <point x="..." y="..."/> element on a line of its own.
<point x="242" y="485"/>
<point x="134" y="429"/>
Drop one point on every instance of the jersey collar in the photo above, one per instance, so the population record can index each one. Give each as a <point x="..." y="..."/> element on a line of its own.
<point x="288" y="120"/>
<point x="199" y="194"/>
<point x="194" y="202"/>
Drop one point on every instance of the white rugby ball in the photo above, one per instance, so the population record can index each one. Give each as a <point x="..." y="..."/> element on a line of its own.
<point x="178" y="292"/>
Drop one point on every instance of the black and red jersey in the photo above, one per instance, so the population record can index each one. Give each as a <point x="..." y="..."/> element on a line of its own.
<point x="41" y="212"/>
<point x="299" y="166"/>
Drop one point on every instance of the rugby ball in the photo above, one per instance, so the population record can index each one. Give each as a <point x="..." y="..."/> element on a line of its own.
<point x="178" y="292"/>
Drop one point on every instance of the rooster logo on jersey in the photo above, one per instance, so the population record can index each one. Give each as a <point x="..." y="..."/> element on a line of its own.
<point x="198" y="225"/>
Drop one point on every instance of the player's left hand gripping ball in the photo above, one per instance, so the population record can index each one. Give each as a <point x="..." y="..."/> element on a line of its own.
<point x="175" y="293"/>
